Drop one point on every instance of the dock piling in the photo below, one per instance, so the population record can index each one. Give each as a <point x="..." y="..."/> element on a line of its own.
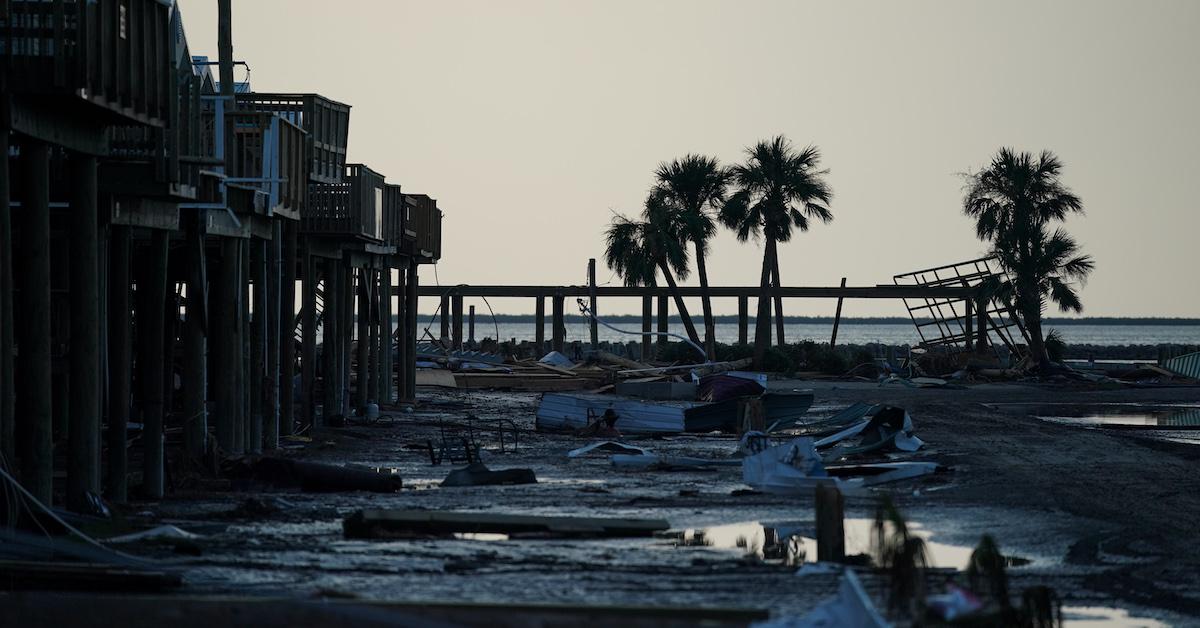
<point x="118" y="363"/>
<point x="152" y="333"/>
<point x="83" y="434"/>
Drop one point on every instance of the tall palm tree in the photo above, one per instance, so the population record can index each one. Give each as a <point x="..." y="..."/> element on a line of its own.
<point x="694" y="185"/>
<point x="1015" y="202"/>
<point x="639" y="250"/>
<point x="778" y="189"/>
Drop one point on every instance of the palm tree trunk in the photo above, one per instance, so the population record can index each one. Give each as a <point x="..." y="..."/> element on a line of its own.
<point x="1037" y="342"/>
<point x="679" y="305"/>
<point x="762" y="319"/>
<point x="710" y="332"/>
<point x="778" y="299"/>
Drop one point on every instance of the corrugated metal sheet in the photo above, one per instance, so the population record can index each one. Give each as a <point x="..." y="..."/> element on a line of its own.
<point x="1186" y="365"/>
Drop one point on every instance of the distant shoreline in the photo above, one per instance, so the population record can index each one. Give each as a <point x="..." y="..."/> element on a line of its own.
<point x="828" y="320"/>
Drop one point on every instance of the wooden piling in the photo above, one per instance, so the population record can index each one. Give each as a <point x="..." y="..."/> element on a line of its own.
<point x="743" y="320"/>
<point x="373" y="356"/>
<point x="225" y="342"/>
<point x="287" y="332"/>
<point x="471" y="326"/>
<point x="444" y="311"/>
<point x="7" y="341"/>
<point x="330" y="360"/>
<point x="593" y="330"/>
<point x="663" y="323"/>
<point x="400" y="333"/>
<point x="33" y="418"/>
<point x="539" y="325"/>
<point x="308" y="344"/>
<point x="83" y="435"/>
<point x="981" y="311"/>
<point x="411" y="288"/>
<point x="363" y="356"/>
<point x="456" y="337"/>
<point x="195" y="349"/>
<point x="647" y="327"/>
<point x="831" y="533"/>
<point x="385" y="334"/>
<point x="969" y="328"/>
<point x="242" y="323"/>
<point x="557" y="321"/>
<point x="119" y="363"/>
<point x="837" y="318"/>
<point x="152" y="334"/>
<point x="346" y="331"/>
<point x="275" y="329"/>
<point x="258" y="338"/>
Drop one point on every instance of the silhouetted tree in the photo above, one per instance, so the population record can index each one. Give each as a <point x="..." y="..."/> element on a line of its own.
<point x="1015" y="202"/>
<point x="779" y="189"/>
<point x="638" y="250"/>
<point x="694" y="188"/>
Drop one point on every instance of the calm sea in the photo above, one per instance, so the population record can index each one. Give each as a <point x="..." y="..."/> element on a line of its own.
<point x="859" y="333"/>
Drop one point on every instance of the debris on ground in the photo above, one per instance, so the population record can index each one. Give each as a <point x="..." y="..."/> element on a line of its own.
<point x="383" y="524"/>
<point x="607" y="446"/>
<point x="477" y="474"/>
<point x="309" y="477"/>
<point x="850" y="607"/>
<point x="889" y="427"/>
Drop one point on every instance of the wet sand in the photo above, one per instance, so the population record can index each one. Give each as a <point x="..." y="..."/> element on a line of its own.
<point x="1106" y="517"/>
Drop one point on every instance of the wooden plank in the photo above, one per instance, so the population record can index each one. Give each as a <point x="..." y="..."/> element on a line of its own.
<point x="83" y="461"/>
<point x="30" y="575"/>
<point x="956" y="292"/>
<point x="837" y="318"/>
<point x="375" y="524"/>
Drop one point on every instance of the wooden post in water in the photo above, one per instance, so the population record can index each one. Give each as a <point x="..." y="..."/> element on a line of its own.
<point x="831" y="533"/>
<point x="195" y="349"/>
<point x="330" y="380"/>
<point x="152" y="330"/>
<point x="33" y="419"/>
<point x="7" y="341"/>
<point x="287" y="332"/>
<point x="308" y="344"/>
<point x="557" y="322"/>
<point x="456" y="338"/>
<point x="743" y="320"/>
<point x="83" y="447"/>
<point x="363" y="354"/>
<point x="471" y="326"/>
<point x="119" y="363"/>
<point x="663" y="323"/>
<point x="593" y="329"/>
<point x="258" y="347"/>
<point x="276" y="331"/>
<point x="539" y="326"/>
<point x="837" y="318"/>
<point x="647" y="327"/>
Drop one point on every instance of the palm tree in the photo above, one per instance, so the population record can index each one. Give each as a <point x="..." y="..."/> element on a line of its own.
<point x="1015" y="201"/>
<point x="779" y="188"/>
<point x="639" y="250"/>
<point x="694" y="186"/>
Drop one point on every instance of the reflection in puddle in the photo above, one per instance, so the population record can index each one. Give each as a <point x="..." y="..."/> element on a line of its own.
<point x="1113" y="415"/>
<point x="793" y="542"/>
<point x="1096" y="616"/>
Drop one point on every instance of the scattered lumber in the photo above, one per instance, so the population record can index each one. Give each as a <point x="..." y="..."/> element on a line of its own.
<point x="383" y="524"/>
<point x="18" y="575"/>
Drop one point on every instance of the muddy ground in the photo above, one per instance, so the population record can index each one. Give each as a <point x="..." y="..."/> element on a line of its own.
<point x="1105" y="517"/>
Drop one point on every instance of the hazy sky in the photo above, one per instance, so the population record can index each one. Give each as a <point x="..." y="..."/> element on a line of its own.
<point x="531" y="122"/>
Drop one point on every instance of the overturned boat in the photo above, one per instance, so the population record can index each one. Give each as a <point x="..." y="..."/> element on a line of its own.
<point x="570" y="411"/>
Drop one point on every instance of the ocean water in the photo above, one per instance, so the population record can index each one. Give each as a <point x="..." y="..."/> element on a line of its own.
<point x="848" y="332"/>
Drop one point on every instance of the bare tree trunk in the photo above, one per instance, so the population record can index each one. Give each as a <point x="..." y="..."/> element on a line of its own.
<point x="1031" y="308"/>
<point x="762" y="322"/>
<point x="710" y="332"/>
<point x="683" y="311"/>
<point x="779" y="340"/>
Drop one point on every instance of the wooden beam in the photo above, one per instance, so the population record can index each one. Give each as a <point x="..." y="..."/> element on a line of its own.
<point x="195" y="350"/>
<point x="345" y="333"/>
<point x="364" y="345"/>
<point x="593" y="330"/>
<point x="7" y="341"/>
<point x="789" y="292"/>
<point x="837" y="318"/>
<point x="647" y="327"/>
<point x="308" y="344"/>
<point x="258" y="344"/>
<point x="412" y="289"/>
<point x="539" y="325"/>
<point x="663" y="322"/>
<point x="287" y="331"/>
<point x="119" y="363"/>
<point x="34" y="422"/>
<point x="558" y="326"/>
<point x="226" y="365"/>
<point x="444" y="311"/>
<point x="456" y="330"/>
<point x="152" y="332"/>
<point x="471" y="326"/>
<point x="743" y="320"/>
<point x="373" y="357"/>
<point x="330" y="360"/>
<point x="83" y="460"/>
<point x="277" y="332"/>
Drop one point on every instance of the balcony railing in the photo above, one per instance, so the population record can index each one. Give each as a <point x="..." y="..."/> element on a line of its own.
<point x="271" y="156"/>
<point x="351" y="208"/>
<point x="422" y="227"/>
<point x="110" y="53"/>
<point x="326" y="122"/>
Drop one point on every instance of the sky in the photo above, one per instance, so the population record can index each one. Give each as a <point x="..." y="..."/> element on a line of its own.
<point x="533" y="122"/>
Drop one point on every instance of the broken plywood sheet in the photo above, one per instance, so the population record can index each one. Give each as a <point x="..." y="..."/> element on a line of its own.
<point x="436" y="377"/>
<point x="381" y="524"/>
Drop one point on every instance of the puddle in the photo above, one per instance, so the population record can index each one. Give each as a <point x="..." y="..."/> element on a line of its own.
<point x="794" y="542"/>
<point x="1114" y="416"/>
<point x="1097" y="616"/>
